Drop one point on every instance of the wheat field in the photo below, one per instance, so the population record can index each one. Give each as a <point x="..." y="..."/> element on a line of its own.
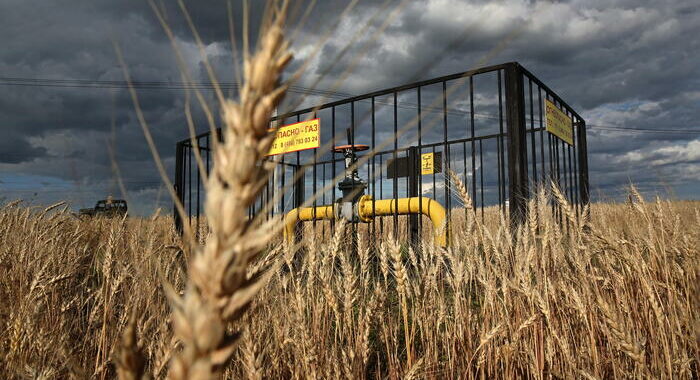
<point x="616" y="296"/>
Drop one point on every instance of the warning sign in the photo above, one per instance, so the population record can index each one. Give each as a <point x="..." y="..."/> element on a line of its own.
<point x="558" y="123"/>
<point x="427" y="163"/>
<point x="296" y="137"/>
<point x="408" y="166"/>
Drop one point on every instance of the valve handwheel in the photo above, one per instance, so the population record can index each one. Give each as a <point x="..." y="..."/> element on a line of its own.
<point x="353" y="148"/>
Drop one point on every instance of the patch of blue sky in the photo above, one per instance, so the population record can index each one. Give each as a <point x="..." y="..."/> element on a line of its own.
<point x="624" y="106"/>
<point x="603" y="111"/>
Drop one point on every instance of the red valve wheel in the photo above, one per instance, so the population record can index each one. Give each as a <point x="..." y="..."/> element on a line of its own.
<point x="354" y="148"/>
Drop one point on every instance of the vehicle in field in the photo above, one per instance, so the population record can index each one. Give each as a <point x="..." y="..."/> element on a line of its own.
<point x="106" y="207"/>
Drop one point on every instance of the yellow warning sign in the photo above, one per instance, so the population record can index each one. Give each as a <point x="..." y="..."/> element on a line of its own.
<point x="427" y="163"/>
<point x="296" y="137"/>
<point x="558" y="123"/>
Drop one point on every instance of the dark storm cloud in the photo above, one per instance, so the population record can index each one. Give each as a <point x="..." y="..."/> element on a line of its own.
<point x="15" y="149"/>
<point x="67" y="132"/>
<point x="619" y="63"/>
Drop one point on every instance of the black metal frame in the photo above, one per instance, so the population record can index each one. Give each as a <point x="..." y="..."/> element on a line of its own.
<point x="526" y="155"/>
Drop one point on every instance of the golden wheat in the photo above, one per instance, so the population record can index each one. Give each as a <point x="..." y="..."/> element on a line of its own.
<point x="219" y="289"/>
<point x="620" y="302"/>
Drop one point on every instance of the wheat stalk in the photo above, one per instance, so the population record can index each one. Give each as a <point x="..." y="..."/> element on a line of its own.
<point x="218" y="291"/>
<point x="128" y="357"/>
<point x="402" y="287"/>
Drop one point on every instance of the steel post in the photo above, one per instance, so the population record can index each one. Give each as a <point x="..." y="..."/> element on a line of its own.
<point x="516" y="142"/>
<point x="179" y="191"/>
<point x="413" y="177"/>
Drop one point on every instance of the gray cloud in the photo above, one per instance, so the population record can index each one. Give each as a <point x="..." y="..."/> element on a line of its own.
<point x="15" y="149"/>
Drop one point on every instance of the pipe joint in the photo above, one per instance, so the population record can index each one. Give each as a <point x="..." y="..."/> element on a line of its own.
<point x="367" y="208"/>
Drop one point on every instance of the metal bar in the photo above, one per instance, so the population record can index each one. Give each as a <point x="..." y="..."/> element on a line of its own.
<point x="572" y="173"/>
<point x="413" y="175"/>
<point x="381" y="193"/>
<point x="517" y="159"/>
<point x="551" y="177"/>
<point x="575" y="156"/>
<point x="269" y="185"/>
<point x="178" y="186"/>
<point x="434" y="187"/>
<point x="564" y="149"/>
<point x="396" y="177"/>
<point x="299" y="186"/>
<point x="199" y="176"/>
<point x="374" y="176"/>
<point x="539" y="103"/>
<point x="559" y="168"/>
<point x="353" y="238"/>
<point x="315" y="151"/>
<point x="573" y="166"/>
<point x="323" y="195"/>
<point x="551" y="152"/>
<point x="532" y="135"/>
<point x="464" y="167"/>
<point x="273" y="181"/>
<point x="501" y="148"/>
<point x="420" y="152"/>
<point x="282" y="189"/>
<point x="583" y="162"/>
<point x="408" y="190"/>
<point x="369" y="183"/>
<point x="473" y="133"/>
<point x="189" y="194"/>
<point x="207" y="160"/>
<point x="481" y="175"/>
<point x="557" y="163"/>
<point x="564" y="181"/>
<point x="333" y="173"/>
<point x="299" y="174"/>
<point x="446" y="158"/>
<point x="564" y="168"/>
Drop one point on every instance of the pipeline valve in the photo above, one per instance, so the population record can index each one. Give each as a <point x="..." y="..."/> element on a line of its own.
<point x="352" y="186"/>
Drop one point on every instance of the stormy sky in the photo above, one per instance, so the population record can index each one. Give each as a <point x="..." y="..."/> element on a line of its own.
<point x="69" y="131"/>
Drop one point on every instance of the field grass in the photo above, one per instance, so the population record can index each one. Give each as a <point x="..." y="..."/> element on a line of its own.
<point x="616" y="296"/>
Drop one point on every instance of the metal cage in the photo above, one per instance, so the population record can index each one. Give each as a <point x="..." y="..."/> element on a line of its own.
<point x="487" y="125"/>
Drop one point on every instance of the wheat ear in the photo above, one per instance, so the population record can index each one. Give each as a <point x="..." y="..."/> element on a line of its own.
<point x="218" y="291"/>
<point x="128" y="357"/>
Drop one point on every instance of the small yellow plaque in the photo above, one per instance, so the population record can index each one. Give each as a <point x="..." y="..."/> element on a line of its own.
<point x="427" y="163"/>
<point x="295" y="137"/>
<point x="558" y="123"/>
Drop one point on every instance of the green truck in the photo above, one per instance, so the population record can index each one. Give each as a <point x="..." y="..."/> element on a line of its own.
<point x="106" y="207"/>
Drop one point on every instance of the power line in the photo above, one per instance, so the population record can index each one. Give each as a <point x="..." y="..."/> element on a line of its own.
<point x="645" y="130"/>
<point x="179" y="85"/>
<point x="47" y="191"/>
<point x="158" y="85"/>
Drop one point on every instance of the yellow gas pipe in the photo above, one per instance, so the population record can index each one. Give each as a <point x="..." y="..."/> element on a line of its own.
<point x="383" y="207"/>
